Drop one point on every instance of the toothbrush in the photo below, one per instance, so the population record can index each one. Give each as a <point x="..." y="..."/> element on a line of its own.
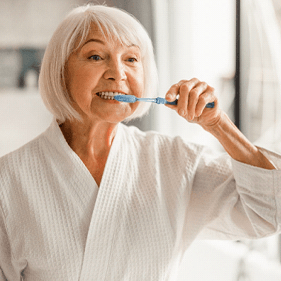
<point x="132" y="99"/>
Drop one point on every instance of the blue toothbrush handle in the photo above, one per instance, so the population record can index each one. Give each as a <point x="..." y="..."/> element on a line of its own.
<point x="175" y="102"/>
<point x="132" y="99"/>
<point x="210" y="105"/>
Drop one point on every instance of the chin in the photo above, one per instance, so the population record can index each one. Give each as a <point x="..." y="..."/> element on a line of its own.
<point x="114" y="115"/>
<point x="113" y="118"/>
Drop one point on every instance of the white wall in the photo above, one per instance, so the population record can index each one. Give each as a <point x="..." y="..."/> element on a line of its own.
<point x="30" y="23"/>
<point x="23" y="116"/>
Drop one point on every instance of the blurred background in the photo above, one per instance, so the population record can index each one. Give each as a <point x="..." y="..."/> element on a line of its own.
<point x="235" y="47"/>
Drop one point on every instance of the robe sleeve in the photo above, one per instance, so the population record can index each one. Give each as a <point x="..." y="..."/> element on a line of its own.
<point x="232" y="200"/>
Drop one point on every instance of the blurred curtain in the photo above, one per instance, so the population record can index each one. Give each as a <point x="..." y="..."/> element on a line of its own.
<point x="193" y="39"/>
<point x="261" y="73"/>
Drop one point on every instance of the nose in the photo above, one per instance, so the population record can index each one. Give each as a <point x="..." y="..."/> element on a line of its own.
<point x="115" y="71"/>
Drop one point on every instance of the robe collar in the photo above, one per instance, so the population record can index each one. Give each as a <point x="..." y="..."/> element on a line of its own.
<point x="109" y="205"/>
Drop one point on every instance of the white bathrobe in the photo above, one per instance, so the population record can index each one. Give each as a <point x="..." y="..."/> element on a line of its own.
<point x="156" y="196"/>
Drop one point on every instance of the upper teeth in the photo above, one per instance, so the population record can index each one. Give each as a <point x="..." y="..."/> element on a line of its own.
<point x="108" y="95"/>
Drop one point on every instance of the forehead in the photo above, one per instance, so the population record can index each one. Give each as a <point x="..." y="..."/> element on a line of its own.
<point x="96" y="31"/>
<point x="104" y="34"/>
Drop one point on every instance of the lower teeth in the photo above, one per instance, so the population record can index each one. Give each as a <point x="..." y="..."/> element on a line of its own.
<point x="107" y="97"/>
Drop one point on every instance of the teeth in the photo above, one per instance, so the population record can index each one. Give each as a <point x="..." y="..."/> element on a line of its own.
<point x="108" y="95"/>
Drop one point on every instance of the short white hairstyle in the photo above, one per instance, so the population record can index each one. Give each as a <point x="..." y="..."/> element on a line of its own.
<point x="116" y="24"/>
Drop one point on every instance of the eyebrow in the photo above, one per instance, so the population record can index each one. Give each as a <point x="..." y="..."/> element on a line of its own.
<point x="94" y="40"/>
<point x="103" y="43"/>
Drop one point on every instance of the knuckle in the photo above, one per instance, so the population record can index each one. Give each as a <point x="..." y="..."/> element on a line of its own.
<point x="204" y="85"/>
<point x="203" y="99"/>
<point x="182" y="81"/>
<point x="194" y="80"/>
<point x="185" y="87"/>
<point x="194" y="93"/>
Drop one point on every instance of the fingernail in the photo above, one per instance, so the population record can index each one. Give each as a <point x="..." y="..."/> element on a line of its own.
<point x="169" y="96"/>
<point x="182" y="112"/>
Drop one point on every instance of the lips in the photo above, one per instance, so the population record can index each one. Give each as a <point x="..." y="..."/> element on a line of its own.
<point x="108" y="95"/>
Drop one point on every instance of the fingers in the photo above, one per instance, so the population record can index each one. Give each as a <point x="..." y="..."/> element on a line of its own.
<point x="184" y="86"/>
<point x="187" y="89"/>
<point x="193" y="97"/>
<point x="206" y="97"/>
<point x="171" y="95"/>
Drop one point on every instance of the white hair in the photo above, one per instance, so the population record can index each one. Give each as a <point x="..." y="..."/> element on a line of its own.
<point x="116" y="24"/>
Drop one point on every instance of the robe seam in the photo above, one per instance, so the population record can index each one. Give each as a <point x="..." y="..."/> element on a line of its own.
<point x="111" y="247"/>
<point x="6" y="228"/>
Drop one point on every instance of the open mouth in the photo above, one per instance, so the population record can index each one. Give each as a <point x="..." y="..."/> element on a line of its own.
<point x="108" y="95"/>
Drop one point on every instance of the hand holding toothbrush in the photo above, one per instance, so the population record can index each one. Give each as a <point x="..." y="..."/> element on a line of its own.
<point x="193" y="96"/>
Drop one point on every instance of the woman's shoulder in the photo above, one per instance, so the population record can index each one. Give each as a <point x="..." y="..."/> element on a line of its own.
<point x="28" y="149"/>
<point x="22" y="151"/>
<point x="17" y="168"/>
<point x="20" y="160"/>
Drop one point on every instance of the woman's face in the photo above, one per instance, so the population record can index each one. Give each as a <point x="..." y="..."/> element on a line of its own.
<point x="100" y="66"/>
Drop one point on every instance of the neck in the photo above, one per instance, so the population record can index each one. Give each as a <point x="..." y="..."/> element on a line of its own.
<point x="89" y="140"/>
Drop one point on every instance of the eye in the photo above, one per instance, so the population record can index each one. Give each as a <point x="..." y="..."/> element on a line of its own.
<point x="95" y="57"/>
<point x="132" y="60"/>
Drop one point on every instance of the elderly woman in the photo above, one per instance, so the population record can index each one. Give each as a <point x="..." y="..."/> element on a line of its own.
<point x="94" y="199"/>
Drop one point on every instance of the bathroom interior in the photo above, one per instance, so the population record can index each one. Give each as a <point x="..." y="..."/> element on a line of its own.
<point x="235" y="46"/>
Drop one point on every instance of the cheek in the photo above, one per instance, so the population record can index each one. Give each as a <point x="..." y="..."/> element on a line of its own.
<point x="76" y="74"/>
<point x="79" y="85"/>
<point x="138" y="84"/>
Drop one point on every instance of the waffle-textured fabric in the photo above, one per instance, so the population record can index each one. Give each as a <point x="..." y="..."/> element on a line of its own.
<point x="156" y="196"/>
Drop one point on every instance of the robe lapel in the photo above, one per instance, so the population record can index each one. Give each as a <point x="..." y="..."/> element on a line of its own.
<point x="76" y="191"/>
<point x="109" y="206"/>
<point x="78" y="183"/>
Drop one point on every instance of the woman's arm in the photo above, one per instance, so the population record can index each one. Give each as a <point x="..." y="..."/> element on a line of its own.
<point x="236" y="144"/>
<point x="193" y="97"/>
